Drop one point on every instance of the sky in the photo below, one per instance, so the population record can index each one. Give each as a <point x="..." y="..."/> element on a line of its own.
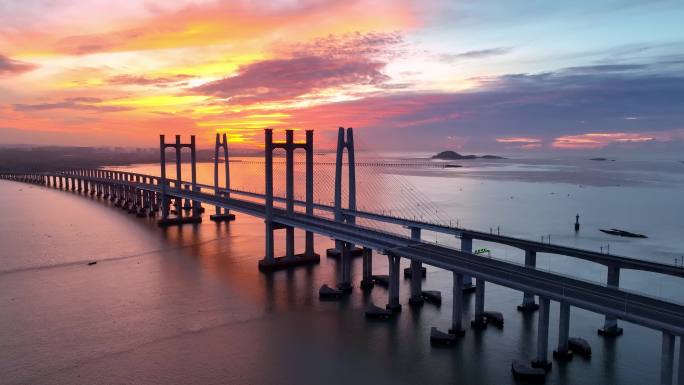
<point x="423" y="75"/>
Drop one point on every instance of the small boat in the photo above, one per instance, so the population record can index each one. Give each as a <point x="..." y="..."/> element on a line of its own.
<point x="622" y="233"/>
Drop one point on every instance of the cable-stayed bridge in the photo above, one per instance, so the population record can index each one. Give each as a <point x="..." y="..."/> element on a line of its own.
<point x="359" y="232"/>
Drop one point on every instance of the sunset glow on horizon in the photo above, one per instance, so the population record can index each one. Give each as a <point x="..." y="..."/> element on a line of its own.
<point x="424" y="75"/>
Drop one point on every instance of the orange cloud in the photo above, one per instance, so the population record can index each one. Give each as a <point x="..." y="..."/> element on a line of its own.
<point x="144" y="63"/>
<point x="521" y="142"/>
<point x="599" y="140"/>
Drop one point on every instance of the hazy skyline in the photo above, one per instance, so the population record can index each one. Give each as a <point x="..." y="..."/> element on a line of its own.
<point x="413" y="75"/>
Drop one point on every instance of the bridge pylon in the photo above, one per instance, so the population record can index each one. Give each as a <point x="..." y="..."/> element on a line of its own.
<point x="345" y="140"/>
<point x="270" y="262"/>
<point x="178" y="185"/>
<point x="224" y="214"/>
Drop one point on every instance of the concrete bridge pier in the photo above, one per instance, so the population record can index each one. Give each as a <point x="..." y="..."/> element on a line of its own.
<point x="309" y="250"/>
<point x="367" y="262"/>
<point x="289" y="192"/>
<point x="563" y="351"/>
<point x="479" y="322"/>
<point x="467" y="247"/>
<point x="187" y="206"/>
<point x="667" y="360"/>
<point x="393" y="295"/>
<point x="680" y="374"/>
<point x="542" y="359"/>
<point x="146" y="203"/>
<point x="416" y="298"/>
<point x="345" y="267"/>
<point x="457" y="306"/>
<point x="610" y="324"/>
<point x="528" y="303"/>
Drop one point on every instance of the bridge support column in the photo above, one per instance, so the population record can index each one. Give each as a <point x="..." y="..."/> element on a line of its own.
<point x="479" y="321"/>
<point x="367" y="280"/>
<point x="542" y="360"/>
<point x="680" y="374"/>
<point x="289" y="192"/>
<point x="467" y="247"/>
<point x="416" y="298"/>
<point x="667" y="359"/>
<point x="394" y="261"/>
<point x="269" y="257"/>
<point x="309" y="250"/>
<point x="610" y="324"/>
<point x="563" y="352"/>
<point x="528" y="303"/>
<point x="457" y="306"/>
<point x="345" y="267"/>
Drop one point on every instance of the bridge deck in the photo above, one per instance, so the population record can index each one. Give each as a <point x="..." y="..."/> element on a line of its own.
<point x="629" y="306"/>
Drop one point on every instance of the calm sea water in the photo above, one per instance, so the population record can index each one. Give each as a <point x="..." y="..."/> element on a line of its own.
<point x="188" y="306"/>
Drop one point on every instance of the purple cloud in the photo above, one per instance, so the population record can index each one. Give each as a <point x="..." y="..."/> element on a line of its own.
<point x="76" y="103"/>
<point x="281" y="79"/>
<point x="333" y="61"/>
<point x="159" y="81"/>
<point x="476" y="54"/>
<point x="11" y="67"/>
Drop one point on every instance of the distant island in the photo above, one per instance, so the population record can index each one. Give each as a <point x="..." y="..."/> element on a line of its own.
<point x="602" y="159"/>
<point x="452" y="155"/>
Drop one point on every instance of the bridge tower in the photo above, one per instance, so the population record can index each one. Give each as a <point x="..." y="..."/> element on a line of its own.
<point x="221" y="143"/>
<point x="167" y="191"/>
<point x="345" y="142"/>
<point x="343" y="250"/>
<point x="270" y="262"/>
